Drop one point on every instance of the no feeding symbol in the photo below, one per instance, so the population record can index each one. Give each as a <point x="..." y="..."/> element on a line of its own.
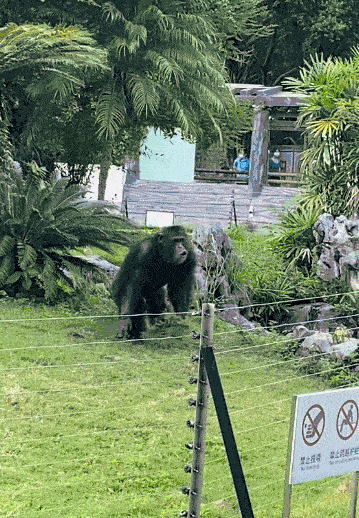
<point x="313" y="425"/>
<point x="347" y="419"/>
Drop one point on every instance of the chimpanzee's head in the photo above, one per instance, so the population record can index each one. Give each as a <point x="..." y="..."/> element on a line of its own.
<point x="174" y="244"/>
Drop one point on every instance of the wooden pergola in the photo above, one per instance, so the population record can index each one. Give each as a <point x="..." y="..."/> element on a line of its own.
<point x="263" y="99"/>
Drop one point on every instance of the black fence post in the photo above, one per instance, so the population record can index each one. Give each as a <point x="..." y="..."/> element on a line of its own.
<point x="227" y="432"/>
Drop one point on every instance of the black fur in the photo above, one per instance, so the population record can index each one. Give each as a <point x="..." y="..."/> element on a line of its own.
<point x="166" y="258"/>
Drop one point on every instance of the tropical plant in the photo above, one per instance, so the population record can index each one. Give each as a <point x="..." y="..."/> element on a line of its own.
<point x="41" y="68"/>
<point x="41" y="225"/>
<point x="293" y="237"/>
<point x="165" y="72"/>
<point x="330" y="116"/>
<point x="53" y="60"/>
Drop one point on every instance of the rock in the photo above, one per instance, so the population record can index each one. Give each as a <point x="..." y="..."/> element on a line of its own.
<point x="102" y="264"/>
<point x="318" y="342"/>
<point x="345" y="349"/>
<point x="232" y="315"/>
<point x="328" y="319"/>
<point x="338" y="244"/>
<point x="320" y="317"/>
<point x="301" y="314"/>
<point x="323" y="343"/>
<point x="301" y="332"/>
<point x="214" y="250"/>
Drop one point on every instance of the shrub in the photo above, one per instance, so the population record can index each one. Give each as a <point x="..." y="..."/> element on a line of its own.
<point x="264" y="273"/>
<point x="293" y="237"/>
<point x="41" y="225"/>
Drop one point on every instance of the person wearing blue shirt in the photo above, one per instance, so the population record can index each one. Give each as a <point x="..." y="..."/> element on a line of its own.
<point x="241" y="163"/>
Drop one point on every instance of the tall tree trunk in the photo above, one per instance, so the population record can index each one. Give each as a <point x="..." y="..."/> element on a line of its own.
<point x="105" y="165"/>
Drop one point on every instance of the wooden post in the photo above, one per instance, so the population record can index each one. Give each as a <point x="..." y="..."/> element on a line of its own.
<point x="201" y="416"/>
<point x="259" y="151"/>
<point x="234" y="212"/>
<point x="287" y="485"/>
<point x="354" y="494"/>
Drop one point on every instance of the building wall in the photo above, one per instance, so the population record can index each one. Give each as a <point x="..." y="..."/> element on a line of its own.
<point x="167" y="159"/>
<point x="114" y="186"/>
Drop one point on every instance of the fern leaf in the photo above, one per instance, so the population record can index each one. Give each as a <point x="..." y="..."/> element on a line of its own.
<point x="6" y="269"/>
<point x="7" y="245"/>
<point x="144" y="94"/>
<point x="110" y="111"/>
<point x="49" y="277"/>
<point x="28" y="256"/>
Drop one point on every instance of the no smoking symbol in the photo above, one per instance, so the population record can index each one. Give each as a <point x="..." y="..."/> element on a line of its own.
<point x="313" y="425"/>
<point x="347" y="419"/>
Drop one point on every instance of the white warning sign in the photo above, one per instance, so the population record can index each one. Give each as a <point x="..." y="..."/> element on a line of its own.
<point x="325" y="435"/>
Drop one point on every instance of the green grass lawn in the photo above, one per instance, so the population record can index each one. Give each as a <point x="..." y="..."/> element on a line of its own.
<point x="91" y="427"/>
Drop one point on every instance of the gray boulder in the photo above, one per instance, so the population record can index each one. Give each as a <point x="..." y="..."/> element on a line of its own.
<point x="338" y="245"/>
<point x="300" y="332"/>
<point x="318" y="342"/>
<point x="345" y="349"/>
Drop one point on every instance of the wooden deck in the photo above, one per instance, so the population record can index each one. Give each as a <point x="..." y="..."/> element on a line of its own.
<point x="206" y="204"/>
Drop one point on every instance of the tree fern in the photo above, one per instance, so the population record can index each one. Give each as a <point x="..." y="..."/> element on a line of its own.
<point x="165" y="58"/>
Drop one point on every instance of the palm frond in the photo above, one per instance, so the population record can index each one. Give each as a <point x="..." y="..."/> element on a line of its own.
<point x="144" y="94"/>
<point x="154" y="15"/>
<point x="166" y="66"/>
<point x="7" y="245"/>
<point x="30" y="47"/>
<point x="110" y="110"/>
<point x="27" y="255"/>
<point x="111" y="13"/>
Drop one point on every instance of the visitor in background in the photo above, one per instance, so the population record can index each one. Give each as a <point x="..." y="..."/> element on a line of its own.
<point x="241" y="164"/>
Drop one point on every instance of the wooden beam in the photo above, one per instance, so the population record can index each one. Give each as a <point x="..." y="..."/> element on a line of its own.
<point x="259" y="150"/>
<point x="282" y="99"/>
<point x="283" y="125"/>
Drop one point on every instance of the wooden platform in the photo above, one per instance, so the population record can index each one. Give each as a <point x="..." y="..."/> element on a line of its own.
<point x="205" y="204"/>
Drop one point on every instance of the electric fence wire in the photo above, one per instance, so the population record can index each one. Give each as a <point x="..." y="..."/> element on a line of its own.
<point x="224" y="374"/>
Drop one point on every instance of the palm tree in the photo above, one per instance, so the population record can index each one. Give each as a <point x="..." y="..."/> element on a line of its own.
<point x="42" y="61"/>
<point x="52" y="59"/>
<point x="164" y="71"/>
<point x="329" y="113"/>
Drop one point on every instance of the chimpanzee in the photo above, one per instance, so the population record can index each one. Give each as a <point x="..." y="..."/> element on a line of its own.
<point x="166" y="258"/>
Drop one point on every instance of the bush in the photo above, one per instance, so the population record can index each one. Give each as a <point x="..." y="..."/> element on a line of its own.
<point x="264" y="273"/>
<point x="293" y="237"/>
<point x="41" y="226"/>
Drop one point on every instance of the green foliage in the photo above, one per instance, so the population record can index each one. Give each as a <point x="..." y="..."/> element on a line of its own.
<point x="165" y="70"/>
<point x="57" y="54"/>
<point x="41" y="69"/>
<point x="270" y="285"/>
<point x="293" y="237"/>
<point x="41" y="225"/>
<point x="330" y="116"/>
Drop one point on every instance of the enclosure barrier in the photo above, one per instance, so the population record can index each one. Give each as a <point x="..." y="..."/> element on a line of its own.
<point x="208" y="368"/>
<point x="90" y="404"/>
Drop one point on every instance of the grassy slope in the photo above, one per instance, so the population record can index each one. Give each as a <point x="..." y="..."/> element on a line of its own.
<point x="90" y="427"/>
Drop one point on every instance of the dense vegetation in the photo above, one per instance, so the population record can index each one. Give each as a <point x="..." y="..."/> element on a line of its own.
<point x="80" y="81"/>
